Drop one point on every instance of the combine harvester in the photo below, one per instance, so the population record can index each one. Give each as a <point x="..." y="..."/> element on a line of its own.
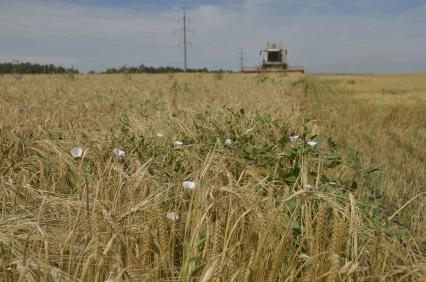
<point x="274" y="59"/>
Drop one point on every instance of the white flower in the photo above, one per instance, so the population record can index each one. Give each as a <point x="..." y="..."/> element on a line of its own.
<point x="159" y="135"/>
<point x="293" y="139"/>
<point x="177" y="144"/>
<point x="77" y="152"/>
<point x="118" y="154"/>
<point x="228" y="141"/>
<point x="309" y="187"/>
<point x="312" y="144"/>
<point x="172" y="216"/>
<point x="189" y="185"/>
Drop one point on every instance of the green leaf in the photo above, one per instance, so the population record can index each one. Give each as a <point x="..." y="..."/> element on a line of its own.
<point x="402" y="233"/>
<point x="306" y="118"/>
<point x="196" y="270"/>
<point x="324" y="179"/>
<point x="331" y="143"/>
<point x="351" y="184"/>
<point x="328" y="188"/>
<point x="291" y="179"/>
<point x="332" y="161"/>
<point x="195" y="259"/>
<point x="291" y="204"/>
<point x="296" y="227"/>
<point x="200" y="243"/>
<point x="291" y="153"/>
<point x="371" y="169"/>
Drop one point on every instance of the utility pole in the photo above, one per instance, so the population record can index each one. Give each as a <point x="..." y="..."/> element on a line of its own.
<point x="241" y="59"/>
<point x="184" y="41"/>
<point x="185" y="30"/>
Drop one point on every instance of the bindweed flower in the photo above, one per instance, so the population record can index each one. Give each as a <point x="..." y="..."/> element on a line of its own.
<point x="77" y="152"/>
<point x="309" y="187"/>
<point x="189" y="185"/>
<point x="312" y="144"/>
<point x="118" y="154"/>
<point x="178" y="144"/>
<point x="304" y="257"/>
<point x="172" y="216"/>
<point x="228" y="141"/>
<point x="293" y="139"/>
<point x="159" y="135"/>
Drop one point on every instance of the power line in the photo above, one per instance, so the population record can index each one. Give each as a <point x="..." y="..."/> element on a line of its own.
<point x="82" y="38"/>
<point x="185" y="30"/>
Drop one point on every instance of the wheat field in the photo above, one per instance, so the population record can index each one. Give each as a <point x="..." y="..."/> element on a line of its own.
<point x="348" y="206"/>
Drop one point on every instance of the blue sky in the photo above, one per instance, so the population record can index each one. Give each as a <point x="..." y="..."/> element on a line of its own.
<point x="344" y="7"/>
<point x="322" y="35"/>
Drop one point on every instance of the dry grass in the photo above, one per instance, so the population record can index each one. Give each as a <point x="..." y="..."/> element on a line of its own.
<point x="250" y="217"/>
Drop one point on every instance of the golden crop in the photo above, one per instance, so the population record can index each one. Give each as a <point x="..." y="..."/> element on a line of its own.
<point x="351" y="208"/>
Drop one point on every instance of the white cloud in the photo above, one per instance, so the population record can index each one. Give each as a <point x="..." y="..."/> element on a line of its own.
<point x="91" y="37"/>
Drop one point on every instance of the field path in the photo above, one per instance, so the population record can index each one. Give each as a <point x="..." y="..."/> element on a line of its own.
<point x="382" y="119"/>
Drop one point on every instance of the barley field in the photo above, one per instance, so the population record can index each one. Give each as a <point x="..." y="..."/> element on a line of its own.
<point x="236" y="199"/>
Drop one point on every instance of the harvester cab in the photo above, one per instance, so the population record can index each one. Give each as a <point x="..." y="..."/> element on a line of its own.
<point x="274" y="56"/>
<point x="274" y="59"/>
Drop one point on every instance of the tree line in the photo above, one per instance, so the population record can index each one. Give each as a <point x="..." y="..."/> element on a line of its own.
<point x="30" y="68"/>
<point x="150" y="69"/>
